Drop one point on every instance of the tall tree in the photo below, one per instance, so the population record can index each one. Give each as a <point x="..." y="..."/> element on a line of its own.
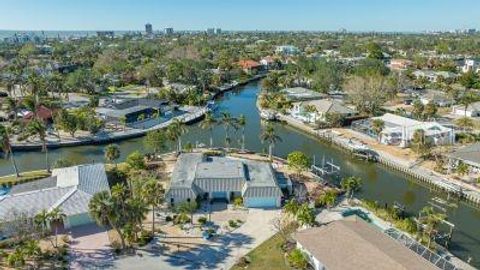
<point x="242" y="122"/>
<point x="7" y="147"/>
<point x="377" y="126"/>
<point x="228" y="122"/>
<point x="268" y="135"/>
<point x="153" y="194"/>
<point x="37" y="127"/>
<point x="107" y="213"/>
<point x="155" y="140"/>
<point x="209" y="123"/>
<point x="56" y="217"/>
<point x="112" y="153"/>
<point x="175" y="131"/>
<point x="351" y="184"/>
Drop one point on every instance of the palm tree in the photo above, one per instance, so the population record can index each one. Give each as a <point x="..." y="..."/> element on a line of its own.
<point x="377" y="126"/>
<point x="209" y="123"/>
<point x="175" y="131"/>
<point x="153" y="194"/>
<point x="105" y="212"/>
<point x="112" y="153"/>
<point x="7" y="147"/>
<point x="36" y="127"/>
<point x="188" y="208"/>
<point x="227" y="122"/>
<point x="242" y="122"/>
<point x="41" y="219"/>
<point x="268" y="135"/>
<point x="351" y="184"/>
<point x="56" y="216"/>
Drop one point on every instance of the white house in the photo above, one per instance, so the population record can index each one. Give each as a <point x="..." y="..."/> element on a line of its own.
<point x="473" y="110"/>
<point x="312" y="111"/>
<point x="69" y="189"/>
<point x="437" y="97"/>
<point x="399" y="131"/>
<point x="433" y="76"/>
<point x="471" y="65"/>
<point x="354" y="244"/>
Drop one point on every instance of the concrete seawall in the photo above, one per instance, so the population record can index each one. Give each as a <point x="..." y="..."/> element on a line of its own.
<point x="420" y="175"/>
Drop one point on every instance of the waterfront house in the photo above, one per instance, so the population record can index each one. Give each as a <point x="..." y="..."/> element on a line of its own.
<point x="352" y="243"/>
<point x="42" y="113"/>
<point x="302" y="94"/>
<point x="399" y="130"/>
<point x="269" y="62"/>
<point x="473" y="110"/>
<point x="313" y="111"/>
<point x="197" y="177"/>
<point x="249" y="65"/>
<point x="69" y="189"/>
<point x="437" y="97"/>
<point x="471" y="65"/>
<point x="469" y="155"/>
<point x="132" y="110"/>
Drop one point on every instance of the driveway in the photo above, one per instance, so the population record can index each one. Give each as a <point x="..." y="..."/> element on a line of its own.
<point x="90" y="248"/>
<point x="220" y="253"/>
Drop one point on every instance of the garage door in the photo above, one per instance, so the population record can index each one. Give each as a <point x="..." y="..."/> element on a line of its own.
<point x="261" y="202"/>
<point x="80" y="219"/>
<point x="219" y="195"/>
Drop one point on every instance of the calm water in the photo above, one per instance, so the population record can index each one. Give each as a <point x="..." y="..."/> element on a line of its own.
<point x="380" y="183"/>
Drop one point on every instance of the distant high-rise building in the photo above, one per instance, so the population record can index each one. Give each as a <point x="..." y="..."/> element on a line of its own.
<point x="210" y="31"/>
<point x="168" y="30"/>
<point x="218" y="31"/>
<point x="106" y="34"/>
<point x="148" y="28"/>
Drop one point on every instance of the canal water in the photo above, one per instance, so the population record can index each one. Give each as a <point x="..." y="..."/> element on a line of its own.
<point x="379" y="183"/>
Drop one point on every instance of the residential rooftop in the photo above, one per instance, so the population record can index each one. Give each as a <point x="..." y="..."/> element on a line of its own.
<point x="354" y="244"/>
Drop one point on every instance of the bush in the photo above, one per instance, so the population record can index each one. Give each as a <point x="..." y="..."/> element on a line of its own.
<point x="297" y="259"/>
<point x="238" y="202"/>
<point x="202" y="220"/>
<point x="168" y="218"/>
<point x="232" y="223"/>
<point x="145" y="238"/>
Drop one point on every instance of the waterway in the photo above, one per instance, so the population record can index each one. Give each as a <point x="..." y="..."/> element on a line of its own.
<point x="379" y="183"/>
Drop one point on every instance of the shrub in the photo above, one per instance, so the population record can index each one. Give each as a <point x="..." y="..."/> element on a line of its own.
<point x="232" y="223"/>
<point x="297" y="259"/>
<point x="202" y="220"/>
<point x="168" y="218"/>
<point x="238" y="202"/>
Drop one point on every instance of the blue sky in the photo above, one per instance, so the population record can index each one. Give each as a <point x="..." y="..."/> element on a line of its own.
<point x="354" y="15"/>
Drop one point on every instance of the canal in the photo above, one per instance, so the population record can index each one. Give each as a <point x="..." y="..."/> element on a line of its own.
<point x="379" y="183"/>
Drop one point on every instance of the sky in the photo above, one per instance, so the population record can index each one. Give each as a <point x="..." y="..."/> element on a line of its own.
<point x="309" y="15"/>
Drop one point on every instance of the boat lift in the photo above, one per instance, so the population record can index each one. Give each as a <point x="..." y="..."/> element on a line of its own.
<point x="326" y="167"/>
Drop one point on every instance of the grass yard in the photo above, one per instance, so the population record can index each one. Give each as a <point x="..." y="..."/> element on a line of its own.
<point x="24" y="177"/>
<point x="269" y="255"/>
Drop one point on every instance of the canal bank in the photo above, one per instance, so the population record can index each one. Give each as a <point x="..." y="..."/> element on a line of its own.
<point x="425" y="176"/>
<point x="379" y="183"/>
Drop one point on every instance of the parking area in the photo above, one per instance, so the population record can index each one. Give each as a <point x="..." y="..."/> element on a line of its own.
<point x="90" y="248"/>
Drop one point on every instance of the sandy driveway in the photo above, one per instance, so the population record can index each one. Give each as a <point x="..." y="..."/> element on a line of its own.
<point x="90" y="248"/>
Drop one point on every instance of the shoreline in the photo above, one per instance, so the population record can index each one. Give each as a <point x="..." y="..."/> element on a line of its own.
<point x="106" y="138"/>
<point x="420" y="175"/>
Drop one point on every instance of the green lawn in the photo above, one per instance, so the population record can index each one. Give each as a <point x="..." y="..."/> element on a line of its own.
<point x="268" y="255"/>
<point x="24" y="177"/>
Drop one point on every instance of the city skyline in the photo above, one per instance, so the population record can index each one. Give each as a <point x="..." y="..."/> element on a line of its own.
<point x="269" y="15"/>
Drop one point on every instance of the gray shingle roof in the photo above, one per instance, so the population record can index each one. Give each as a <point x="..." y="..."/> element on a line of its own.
<point x="355" y="244"/>
<point x="469" y="154"/>
<point x="44" y="183"/>
<point x="328" y="106"/>
<point x="74" y="188"/>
